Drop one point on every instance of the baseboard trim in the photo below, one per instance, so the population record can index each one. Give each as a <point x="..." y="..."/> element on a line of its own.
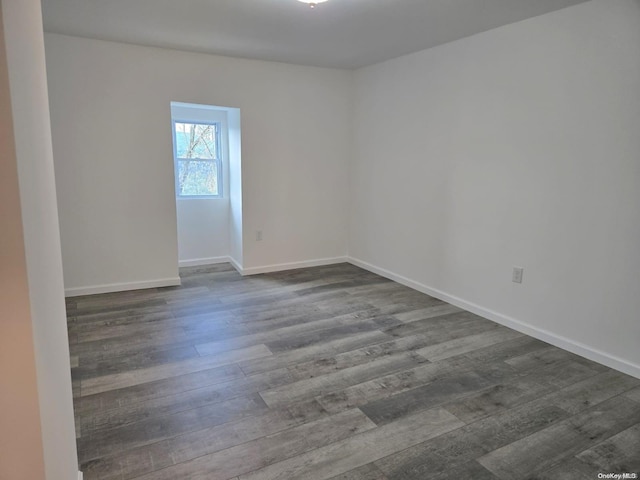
<point x="80" y="476"/>
<point x="198" y="262"/>
<point x="291" y="266"/>
<point x="121" y="287"/>
<point x="560" y="341"/>
<point x="235" y="264"/>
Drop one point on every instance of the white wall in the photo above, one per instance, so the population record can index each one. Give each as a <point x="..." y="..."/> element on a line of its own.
<point x="112" y="145"/>
<point x="32" y="135"/>
<point x="235" y="187"/>
<point x="203" y="223"/>
<point x="21" y="450"/>
<point x="518" y="146"/>
<point x="203" y="230"/>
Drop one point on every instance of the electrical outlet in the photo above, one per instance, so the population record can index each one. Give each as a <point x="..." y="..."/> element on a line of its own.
<point x="517" y="274"/>
<point x="258" y="235"/>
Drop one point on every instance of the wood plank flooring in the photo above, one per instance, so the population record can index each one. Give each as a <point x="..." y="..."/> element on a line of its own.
<point x="332" y="373"/>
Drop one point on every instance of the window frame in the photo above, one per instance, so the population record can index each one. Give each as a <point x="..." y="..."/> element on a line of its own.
<point x="216" y="161"/>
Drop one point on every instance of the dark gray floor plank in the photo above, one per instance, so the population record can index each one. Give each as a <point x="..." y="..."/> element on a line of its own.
<point x="426" y="313"/>
<point x="470" y="470"/>
<point x="541" y="450"/>
<point x="178" y="402"/>
<point x="551" y="356"/>
<point x="571" y="469"/>
<point x="343" y="456"/>
<point x="181" y="448"/>
<point x="105" y="306"/>
<point x="286" y="338"/>
<point x="467" y="344"/>
<point x="308" y="388"/>
<point x="320" y="350"/>
<point x="320" y="336"/>
<point x="618" y="454"/>
<point x="592" y="391"/>
<point x="460" y="321"/>
<point x="98" y="350"/>
<point x="495" y="399"/>
<point x="288" y="319"/>
<point x="390" y="385"/>
<point x="146" y="432"/>
<point x="366" y="472"/>
<point x="435" y="458"/>
<point x="96" y="326"/>
<point x="147" y="392"/>
<point x="325" y="365"/>
<point x="440" y="391"/>
<point x="634" y="394"/>
<point x="265" y="451"/>
<point x="115" y="381"/>
<point x="134" y="361"/>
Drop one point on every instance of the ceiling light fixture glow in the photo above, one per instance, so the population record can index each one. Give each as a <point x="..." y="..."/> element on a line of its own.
<point x="312" y="3"/>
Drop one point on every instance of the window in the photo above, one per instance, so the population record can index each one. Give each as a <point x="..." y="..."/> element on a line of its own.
<point x="197" y="155"/>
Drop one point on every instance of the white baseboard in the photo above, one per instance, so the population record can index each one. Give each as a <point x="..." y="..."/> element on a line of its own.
<point x="291" y="266"/>
<point x="121" y="287"/>
<point x="560" y="341"/>
<point x="197" y="262"/>
<point x="80" y="476"/>
<point x="236" y="264"/>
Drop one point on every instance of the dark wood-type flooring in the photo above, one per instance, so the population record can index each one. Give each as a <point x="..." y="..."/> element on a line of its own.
<point x="332" y="373"/>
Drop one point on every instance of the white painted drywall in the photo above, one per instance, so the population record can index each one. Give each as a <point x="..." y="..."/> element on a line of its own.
<point x="518" y="146"/>
<point x="21" y="450"/>
<point x="203" y="223"/>
<point x="32" y="134"/>
<point x="235" y="187"/>
<point x="112" y="144"/>
<point x="203" y="230"/>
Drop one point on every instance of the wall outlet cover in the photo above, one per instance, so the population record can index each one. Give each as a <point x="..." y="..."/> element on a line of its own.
<point x="517" y="274"/>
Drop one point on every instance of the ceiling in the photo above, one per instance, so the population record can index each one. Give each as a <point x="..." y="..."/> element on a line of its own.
<point x="339" y="33"/>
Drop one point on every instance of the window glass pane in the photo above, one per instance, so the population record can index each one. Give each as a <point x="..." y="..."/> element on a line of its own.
<point x="197" y="178"/>
<point x="195" y="140"/>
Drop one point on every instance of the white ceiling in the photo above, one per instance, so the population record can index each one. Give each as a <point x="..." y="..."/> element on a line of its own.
<point x="339" y="33"/>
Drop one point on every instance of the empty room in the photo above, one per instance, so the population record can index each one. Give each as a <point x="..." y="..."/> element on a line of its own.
<point x="330" y="240"/>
